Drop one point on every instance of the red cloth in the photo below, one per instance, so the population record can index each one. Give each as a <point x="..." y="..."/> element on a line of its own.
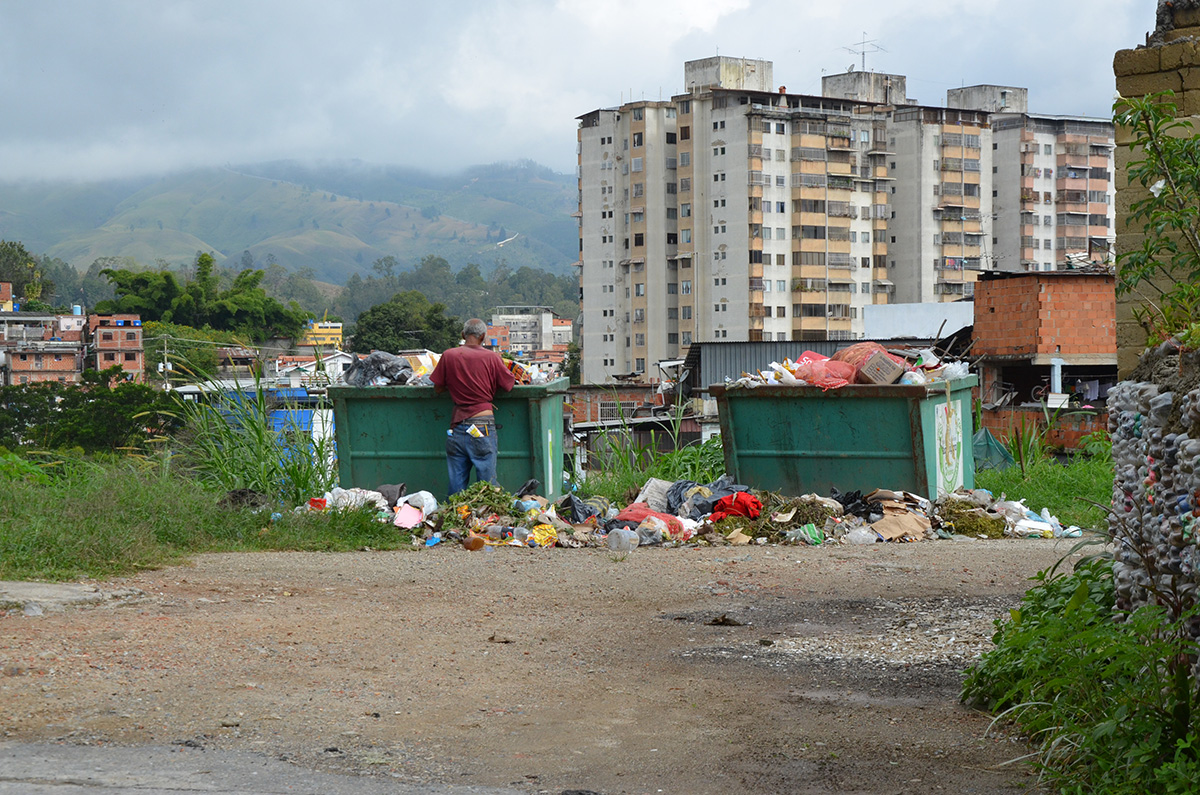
<point x="739" y="504"/>
<point x="638" y="511"/>
<point x="472" y="375"/>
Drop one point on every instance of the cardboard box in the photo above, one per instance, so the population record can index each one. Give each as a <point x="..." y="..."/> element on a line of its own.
<point x="880" y="369"/>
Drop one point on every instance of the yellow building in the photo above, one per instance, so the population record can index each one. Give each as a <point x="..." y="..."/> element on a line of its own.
<point x="322" y="334"/>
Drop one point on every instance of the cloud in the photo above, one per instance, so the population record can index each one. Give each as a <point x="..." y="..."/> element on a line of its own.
<point x="126" y="87"/>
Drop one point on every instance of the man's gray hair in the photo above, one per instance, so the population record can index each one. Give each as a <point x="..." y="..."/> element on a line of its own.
<point x="474" y="328"/>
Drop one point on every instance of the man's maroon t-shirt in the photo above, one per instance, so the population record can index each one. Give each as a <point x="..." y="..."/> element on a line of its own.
<point x="472" y="375"/>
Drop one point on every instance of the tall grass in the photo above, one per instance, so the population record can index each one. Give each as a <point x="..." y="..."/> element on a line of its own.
<point x="626" y="464"/>
<point x="231" y="442"/>
<point x="85" y="518"/>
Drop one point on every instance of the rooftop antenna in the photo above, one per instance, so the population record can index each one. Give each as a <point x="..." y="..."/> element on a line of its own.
<point x="865" y="46"/>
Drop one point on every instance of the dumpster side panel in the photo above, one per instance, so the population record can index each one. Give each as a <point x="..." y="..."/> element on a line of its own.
<point x="817" y="442"/>
<point x="949" y="455"/>
<point x="398" y="435"/>
<point x="801" y="439"/>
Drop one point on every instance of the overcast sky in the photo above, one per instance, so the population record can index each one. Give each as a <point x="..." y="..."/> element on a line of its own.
<point x="109" y="88"/>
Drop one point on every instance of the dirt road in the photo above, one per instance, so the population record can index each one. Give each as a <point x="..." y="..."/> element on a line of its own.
<point x="731" y="670"/>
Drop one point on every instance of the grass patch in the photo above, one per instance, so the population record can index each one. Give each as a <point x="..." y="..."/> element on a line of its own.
<point x="85" y="518"/>
<point x="1067" y="490"/>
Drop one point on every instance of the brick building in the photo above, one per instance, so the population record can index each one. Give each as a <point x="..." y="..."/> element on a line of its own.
<point x="117" y="340"/>
<point x="1028" y="324"/>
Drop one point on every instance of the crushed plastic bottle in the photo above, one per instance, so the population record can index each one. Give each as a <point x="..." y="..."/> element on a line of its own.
<point x="621" y="540"/>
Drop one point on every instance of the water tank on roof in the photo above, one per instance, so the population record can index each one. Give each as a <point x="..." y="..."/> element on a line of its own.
<point x="76" y="309"/>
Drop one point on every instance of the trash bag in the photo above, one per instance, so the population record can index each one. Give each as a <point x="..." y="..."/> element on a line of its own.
<point x="379" y="367"/>
<point x="575" y="510"/>
<point x="989" y="452"/>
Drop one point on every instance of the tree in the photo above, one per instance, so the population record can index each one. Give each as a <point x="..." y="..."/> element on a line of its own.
<point x="19" y="267"/>
<point x="405" y="322"/>
<point x="571" y="365"/>
<point x="1164" y="271"/>
<point x="244" y="307"/>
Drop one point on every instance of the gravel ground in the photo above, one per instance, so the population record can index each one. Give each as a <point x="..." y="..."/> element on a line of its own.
<point x="719" y="670"/>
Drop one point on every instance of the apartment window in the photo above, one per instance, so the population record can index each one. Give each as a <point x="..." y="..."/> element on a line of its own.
<point x="672" y="288"/>
<point x="637" y="139"/>
<point x="670" y="138"/>
<point x="766" y="233"/>
<point x="640" y="366"/>
<point x="781" y="311"/>
<point x="672" y="338"/>
<point x="1048" y="149"/>
<point x="719" y="176"/>
<point x="781" y="285"/>
<point x="639" y="239"/>
<point x="718" y="150"/>
<point x="672" y="213"/>
<point x="685" y="211"/>
<point x="106" y="336"/>
<point x="637" y="114"/>
<point x="635" y="164"/>
<point x="685" y="106"/>
<point x="639" y="340"/>
<point x="685" y="338"/>
<point x="780" y="128"/>
<point x="638" y="189"/>
<point x="672" y="313"/>
<point x="131" y="357"/>
<point x="780" y="181"/>
<point x="767" y="286"/>
<point x="110" y="357"/>
<point x="685" y="133"/>
<point x="685" y="288"/>
<point x="685" y="235"/>
<point x="685" y="159"/>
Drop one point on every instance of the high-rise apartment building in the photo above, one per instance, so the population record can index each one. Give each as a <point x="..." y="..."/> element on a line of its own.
<point x="939" y="160"/>
<point x="1060" y="192"/>
<point x="734" y="211"/>
<point x="1052" y="182"/>
<point x="737" y="211"/>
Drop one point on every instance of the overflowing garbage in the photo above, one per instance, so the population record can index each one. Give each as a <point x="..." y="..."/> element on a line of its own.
<point x="380" y="368"/>
<point x="686" y="513"/>
<point x="862" y="363"/>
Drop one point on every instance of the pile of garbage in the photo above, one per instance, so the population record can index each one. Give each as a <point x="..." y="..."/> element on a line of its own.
<point x="380" y="368"/>
<point x="686" y="513"/>
<point x="862" y="363"/>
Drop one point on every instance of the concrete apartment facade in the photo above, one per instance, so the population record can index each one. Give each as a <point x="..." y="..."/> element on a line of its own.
<point x="737" y="211"/>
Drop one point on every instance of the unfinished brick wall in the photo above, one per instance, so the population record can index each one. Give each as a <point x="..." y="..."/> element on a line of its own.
<point x="1045" y="313"/>
<point x="1170" y="61"/>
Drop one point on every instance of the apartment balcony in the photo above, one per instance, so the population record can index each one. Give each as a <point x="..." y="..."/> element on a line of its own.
<point x="756" y="270"/>
<point x="757" y="311"/>
<point x="1075" y="161"/>
<point x="1072" y="183"/>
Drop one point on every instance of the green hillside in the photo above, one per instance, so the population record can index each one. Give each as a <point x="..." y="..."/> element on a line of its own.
<point x="335" y="219"/>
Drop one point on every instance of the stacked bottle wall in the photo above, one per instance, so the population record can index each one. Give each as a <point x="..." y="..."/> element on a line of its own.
<point x="1156" y="494"/>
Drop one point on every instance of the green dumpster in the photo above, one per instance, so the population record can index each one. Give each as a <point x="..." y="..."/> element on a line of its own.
<point x="397" y="434"/>
<point x="796" y="440"/>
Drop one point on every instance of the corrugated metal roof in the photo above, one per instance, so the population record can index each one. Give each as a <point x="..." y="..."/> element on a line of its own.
<point x="712" y="362"/>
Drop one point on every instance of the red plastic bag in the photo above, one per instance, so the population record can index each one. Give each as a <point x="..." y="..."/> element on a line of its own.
<point x="859" y="353"/>
<point x="827" y="374"/>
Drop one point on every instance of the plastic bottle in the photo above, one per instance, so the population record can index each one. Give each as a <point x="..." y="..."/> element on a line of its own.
<point x="621" y="540"/>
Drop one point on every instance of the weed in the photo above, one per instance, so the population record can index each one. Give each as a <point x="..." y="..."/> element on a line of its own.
<point x="1106" y="697"/>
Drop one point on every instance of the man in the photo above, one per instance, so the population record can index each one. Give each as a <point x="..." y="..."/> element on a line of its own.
<point x="472" y="375"/>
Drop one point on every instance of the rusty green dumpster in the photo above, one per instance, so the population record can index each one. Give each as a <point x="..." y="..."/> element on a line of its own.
<point x="802" y="439"/>
<point x="397" y="434"/>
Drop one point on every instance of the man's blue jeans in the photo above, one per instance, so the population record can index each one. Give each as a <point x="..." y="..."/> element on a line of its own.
<point x="464" y="451"/>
